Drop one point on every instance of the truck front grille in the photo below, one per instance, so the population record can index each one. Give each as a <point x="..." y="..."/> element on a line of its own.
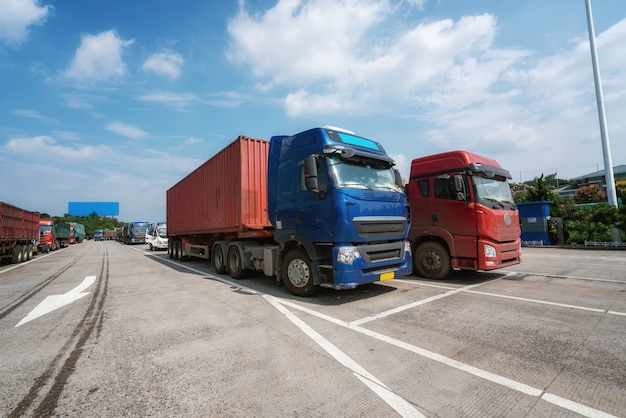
<point x="378" y="226"/>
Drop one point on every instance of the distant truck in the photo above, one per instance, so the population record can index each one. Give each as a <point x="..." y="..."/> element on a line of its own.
<point x="98" y="235"/>
<point x="53" y="235"/>
<point x="462" y="215"/>
<point x="135" y="232"/>
<point x="19" y="233"/>
<point x="77" y="233"/>
<point x="322" y="208"/>
<point x="110" y="234"/>
<point x="156" y="237"/>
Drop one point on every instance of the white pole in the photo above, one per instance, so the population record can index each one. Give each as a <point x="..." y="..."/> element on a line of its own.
<point x="606" y="148"/>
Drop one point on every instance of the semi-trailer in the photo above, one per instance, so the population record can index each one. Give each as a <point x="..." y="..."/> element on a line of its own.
<point x="322" y="208"/>
<point x="19" y="233"/>
<point x="463" y="214"/>
<point x="53" y="234"/>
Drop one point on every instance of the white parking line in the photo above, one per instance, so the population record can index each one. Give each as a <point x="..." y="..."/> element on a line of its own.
<point x="400" y="405"/>
<point x="378" y="387"/>
<point x="412" y="305"/>
<point x="483" y="374"/>
<point x="467" y="289"/>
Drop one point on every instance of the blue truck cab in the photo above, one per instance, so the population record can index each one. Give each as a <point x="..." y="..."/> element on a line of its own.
<point x="339" y="211"/>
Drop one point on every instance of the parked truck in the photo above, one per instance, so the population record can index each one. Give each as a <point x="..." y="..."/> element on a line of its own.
<point x="462" y="215"/>
<point x="19" y="233"/>
<point x="135" y="232"/>
<point x="77" y="232"/>
<point x="322" y="208"/>
<point x="53" y="234"/>
<point x="156" y="237"/>
<point x="98" y="235"/>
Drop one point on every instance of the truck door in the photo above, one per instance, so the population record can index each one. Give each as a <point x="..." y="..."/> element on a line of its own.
<point x="314" y="209"/>
<point x="456" y="216"/>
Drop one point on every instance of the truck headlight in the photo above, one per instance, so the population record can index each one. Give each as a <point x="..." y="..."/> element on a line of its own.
<point x="490" y="252"/>
<point x="347" y="255"/>
<point x="407" y="247"/>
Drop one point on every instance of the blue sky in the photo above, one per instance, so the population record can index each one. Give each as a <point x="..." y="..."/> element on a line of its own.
<point x="118" y="100"/>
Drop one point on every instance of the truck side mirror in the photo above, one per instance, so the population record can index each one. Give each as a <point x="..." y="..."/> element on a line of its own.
<point x="459" y="187"/>
<point x="310" y="173"/>
<point x="398" y="178"/>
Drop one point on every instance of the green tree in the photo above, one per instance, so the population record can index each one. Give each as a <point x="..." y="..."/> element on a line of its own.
<point x="590" y="193"/>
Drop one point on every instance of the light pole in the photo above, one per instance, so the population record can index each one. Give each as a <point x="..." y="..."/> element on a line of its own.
<point x="606" y="148"/>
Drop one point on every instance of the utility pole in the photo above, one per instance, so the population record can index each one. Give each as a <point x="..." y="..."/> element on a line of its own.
<point x="606" y="148"/>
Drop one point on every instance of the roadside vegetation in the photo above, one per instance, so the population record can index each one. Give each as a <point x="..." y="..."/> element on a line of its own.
<point x="91" y="222"/>
<point x="587" y="217"/>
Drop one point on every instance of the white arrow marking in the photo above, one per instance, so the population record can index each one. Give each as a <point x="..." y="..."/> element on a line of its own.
<point x="53" y="302"/>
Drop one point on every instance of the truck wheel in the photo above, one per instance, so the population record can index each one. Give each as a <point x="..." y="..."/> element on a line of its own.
<point x="177" y="246"/>
<point x="235" y="263"/>
<point x="170" y="249"/>
<point x="218" y="259"/>
<point x="29" y="252"/>
<point x="297" y="273"/>
<point x="432" y="261"/>
<point x="17" y="254"/>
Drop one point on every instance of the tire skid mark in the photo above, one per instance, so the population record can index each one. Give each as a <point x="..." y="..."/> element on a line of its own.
<point x="91" y="320"/>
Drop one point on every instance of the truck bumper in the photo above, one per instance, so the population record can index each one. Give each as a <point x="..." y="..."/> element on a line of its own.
<point x="363" y="269"/>
<point x="493" y="255"/>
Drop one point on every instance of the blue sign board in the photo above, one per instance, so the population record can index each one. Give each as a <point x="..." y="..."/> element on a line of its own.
<point x="87" y="208"/>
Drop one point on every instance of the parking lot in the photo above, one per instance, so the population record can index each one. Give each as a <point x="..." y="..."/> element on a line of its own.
<point x="157" y="337"/>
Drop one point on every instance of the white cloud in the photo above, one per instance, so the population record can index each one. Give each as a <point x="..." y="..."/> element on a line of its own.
<point x="33" y="114"/>
<point x="99" y="58"/>
<point x="167" y="64"/>
<point x="176" y="100"/>
<point x="126" y="130"/>
<point x="360" y="66"/>
<point x="46" y="147"/>
<point x="16" y="18"/>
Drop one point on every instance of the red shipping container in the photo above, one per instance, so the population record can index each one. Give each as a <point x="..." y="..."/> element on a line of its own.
<point x="225" y="195"/>
<point x="18" y="224"/>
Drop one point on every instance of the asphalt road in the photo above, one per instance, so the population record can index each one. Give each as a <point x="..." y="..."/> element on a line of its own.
<point x="107" y="330"/>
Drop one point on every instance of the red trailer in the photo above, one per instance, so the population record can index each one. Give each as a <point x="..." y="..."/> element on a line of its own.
<point x="19" y="233"/>
<point x="223" y="199"/>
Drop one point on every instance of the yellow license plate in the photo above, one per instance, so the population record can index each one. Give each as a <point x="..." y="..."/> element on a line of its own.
<point x="387" y="276"/>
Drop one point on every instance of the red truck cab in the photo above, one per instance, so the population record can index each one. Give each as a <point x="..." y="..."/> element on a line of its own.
<point x="462" y="215"/>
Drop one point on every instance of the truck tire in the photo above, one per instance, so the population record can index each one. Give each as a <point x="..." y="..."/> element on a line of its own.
<point x="177" y="246"/>
<point x="432" y="261"/>
<point x="297" y="273"/>
<point x="235" y="263"/>
<point x="29" y="252"/>
<point x="170" y="249"/>
<point x="17" y="254"/>
<point x="219" y="263"/>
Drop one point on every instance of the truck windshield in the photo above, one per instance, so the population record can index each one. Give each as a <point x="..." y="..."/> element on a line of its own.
<point x="363" y="173"/>
<point x="492" y="190"/>
<point x="45" y="229"/>
<point x="162" y="232"/>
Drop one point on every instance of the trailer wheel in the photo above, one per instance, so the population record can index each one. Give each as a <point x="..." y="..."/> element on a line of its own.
<point x="235" y="263"/>
<point x="297" y="273"/>
<point x="432" y="261"/>
<point x="29" y="252"/>
<point x="17" y="254"/>
<point x="181" y="254"/>
<point x="176" y="250"/>
<point x="218" y="260"/>
<point x="170" y="250"/>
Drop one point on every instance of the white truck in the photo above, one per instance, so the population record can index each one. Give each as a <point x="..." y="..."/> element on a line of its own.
<point x="156" y="237"/>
